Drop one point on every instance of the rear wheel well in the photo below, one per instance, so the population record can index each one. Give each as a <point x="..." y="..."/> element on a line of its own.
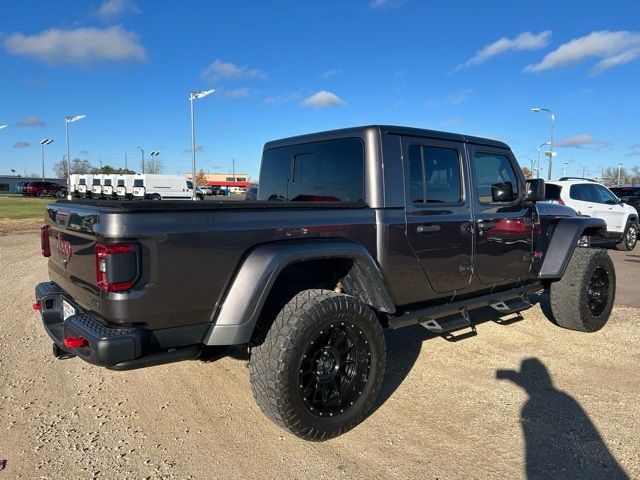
<point x="341" y="275"/>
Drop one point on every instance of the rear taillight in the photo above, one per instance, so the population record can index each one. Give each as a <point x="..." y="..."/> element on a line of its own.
<point x="44" y="241"/>
<point x="116" y="267"/>
<point x="561" y="202"/>
<point x="74" y="342"/>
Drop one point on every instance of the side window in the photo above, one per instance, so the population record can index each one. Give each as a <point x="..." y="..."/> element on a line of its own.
<point x="605" y="196"/>
<point x="434" y="175"/>
<point x="575" y="192"/>
<point x="552" y="192"/>
<point x="326" y="171"/>
<point x="494" y="171"/>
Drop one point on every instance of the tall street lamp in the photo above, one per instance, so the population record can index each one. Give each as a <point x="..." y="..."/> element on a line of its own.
<point x="43" y="142"/>
<point x="67" y="120"/>
<point x="141" y="158"/>
<point x="538" y="162"/>
<point x="619" y="171"/>
<point x="553" y="127"/>
<point x="154" y="156"/>
<point x="193" y="96"/>
<point x="564" y="170"/>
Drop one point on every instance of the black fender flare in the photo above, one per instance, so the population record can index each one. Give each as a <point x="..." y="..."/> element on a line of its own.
<point x="564" y="240"/>
<point x="238" y="313"/>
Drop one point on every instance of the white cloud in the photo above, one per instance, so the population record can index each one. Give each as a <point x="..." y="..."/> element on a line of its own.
<point x="32" y="121"/>
<point x="613" y="48"/>
<point x="110" y="9"/>
<point x="381" y="4"/>
<point x="235" y="93"/>
<point x="524" y="41"/>
<point x="581" y="141"/>
<point x="219" y="70"/>
<point x="21" y="144"/>
<point x="329" y="73"/>
<point x="82" y="46"/>
<point x="322" y="99"/>
<point x="458" y="98"/>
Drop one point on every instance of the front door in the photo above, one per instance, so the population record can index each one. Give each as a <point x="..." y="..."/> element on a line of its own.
<point x="438" y="214"/>
<point x="503" y="221"/>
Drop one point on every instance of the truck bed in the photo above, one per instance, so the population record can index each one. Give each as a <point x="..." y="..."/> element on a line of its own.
<point x="187" y="205"/>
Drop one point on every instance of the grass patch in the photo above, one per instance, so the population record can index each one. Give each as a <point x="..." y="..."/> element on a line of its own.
<point x="15" y="208"/>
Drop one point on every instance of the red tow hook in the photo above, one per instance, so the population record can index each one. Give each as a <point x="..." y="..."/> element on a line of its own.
<point x="36" y="307"/>
<point x="74" y="342"/>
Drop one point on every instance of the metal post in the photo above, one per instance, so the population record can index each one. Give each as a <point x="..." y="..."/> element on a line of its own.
<point x="42" y="150"/>
<point x="619" y="170"/>
<point x="193" y="150"/>
<point x="125" y="161"/>
<point x="553" y="128"/>
<point x="564" y="170"/>
<point x="66" y="136"/>
<point x="538" y="162"/>
<point x="583" y="171"/>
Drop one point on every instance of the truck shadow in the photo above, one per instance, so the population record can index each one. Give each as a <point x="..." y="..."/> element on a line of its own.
<point x="560" y="439"/>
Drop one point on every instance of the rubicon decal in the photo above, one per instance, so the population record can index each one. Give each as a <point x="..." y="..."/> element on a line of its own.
<point x="64" y="249"/>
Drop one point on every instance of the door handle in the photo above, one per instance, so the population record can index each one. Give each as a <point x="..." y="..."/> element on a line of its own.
<point x="428" y="229"/>
<point x="485" y="225"/>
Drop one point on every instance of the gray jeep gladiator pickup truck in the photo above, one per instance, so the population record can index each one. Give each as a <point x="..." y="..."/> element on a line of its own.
<point x="353" y="231"/>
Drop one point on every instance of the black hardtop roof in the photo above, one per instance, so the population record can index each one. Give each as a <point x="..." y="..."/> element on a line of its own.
<point x="383" y="129"/>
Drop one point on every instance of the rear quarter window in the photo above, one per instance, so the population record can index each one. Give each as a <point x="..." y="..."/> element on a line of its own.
<point x="138" y="182"/>
<point x="327" y="171"/>
<point x="552" y="192"/>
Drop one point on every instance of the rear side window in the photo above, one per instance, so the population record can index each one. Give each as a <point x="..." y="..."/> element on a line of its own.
<point x="584" y="193"/>
<point x="96" y="181"/>
<point x="434" y="175"/>
<point x="493" y="170"/>
<point x="328" y="171"/>
<point x="107" y="182"/>
<point x="121" y="183"/>
<point x="82" y="182"/>
<point x="552" y="192"/>
<point x="138" y="182"/>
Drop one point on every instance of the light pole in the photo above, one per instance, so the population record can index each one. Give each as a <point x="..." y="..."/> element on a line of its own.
<point x="553" y="128"/>
<point x="584" y="169"/>
<point x="142" y="158"/>
<point x="67" y="120"/>
<point x="193" y="96"/>
<point x="538" y="162"/>
<point x="619" y="171"/>
<point x="564" y="170"/>
<point x="153" y="155"/>
<point x="43" y="142"/>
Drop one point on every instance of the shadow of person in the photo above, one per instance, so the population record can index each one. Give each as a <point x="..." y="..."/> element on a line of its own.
<point x="560" y="440"/>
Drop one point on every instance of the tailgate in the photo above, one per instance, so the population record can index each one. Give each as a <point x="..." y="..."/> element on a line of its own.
<point x="72" y="264"/>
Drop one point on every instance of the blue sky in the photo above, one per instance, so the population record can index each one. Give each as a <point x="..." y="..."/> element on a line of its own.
<point x="286" y="68"/>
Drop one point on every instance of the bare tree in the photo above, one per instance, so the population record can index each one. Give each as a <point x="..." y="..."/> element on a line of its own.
<point x="153" y="166"/>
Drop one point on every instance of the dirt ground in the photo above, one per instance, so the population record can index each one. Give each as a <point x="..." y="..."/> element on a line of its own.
<point x="518" y="400"/>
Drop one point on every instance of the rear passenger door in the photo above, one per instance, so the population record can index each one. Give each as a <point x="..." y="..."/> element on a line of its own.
<point x="438" y="216"/>
<point x="504" y="228"/>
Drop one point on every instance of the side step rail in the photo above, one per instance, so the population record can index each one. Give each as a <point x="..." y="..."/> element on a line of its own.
<point x="453" y="308"/>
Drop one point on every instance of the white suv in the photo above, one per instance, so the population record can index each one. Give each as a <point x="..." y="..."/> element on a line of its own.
<point x="591" y="199"/>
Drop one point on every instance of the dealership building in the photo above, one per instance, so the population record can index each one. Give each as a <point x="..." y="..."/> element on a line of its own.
<point x="227" y="179"/>
<point x="8" y="182"/>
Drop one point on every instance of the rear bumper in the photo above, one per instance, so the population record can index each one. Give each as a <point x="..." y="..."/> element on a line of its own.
<point x="117" y="348"/>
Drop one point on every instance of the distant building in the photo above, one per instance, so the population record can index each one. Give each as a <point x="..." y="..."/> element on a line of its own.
<point x="8" y="182"/>
<point x="227" y="179"/>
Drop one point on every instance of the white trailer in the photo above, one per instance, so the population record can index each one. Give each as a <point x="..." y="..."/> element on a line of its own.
<point x="163" y="187"/>
<point x="85" y="182"/>
<point x="124" y="188"/>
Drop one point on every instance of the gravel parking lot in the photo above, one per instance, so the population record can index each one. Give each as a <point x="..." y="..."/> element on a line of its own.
<point x="521" y="399"/>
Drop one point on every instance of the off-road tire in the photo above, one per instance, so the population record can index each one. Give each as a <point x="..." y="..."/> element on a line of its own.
<point x="574" y="300"/>
<point x="276" y="364"/>
<point x="629" y="238"/>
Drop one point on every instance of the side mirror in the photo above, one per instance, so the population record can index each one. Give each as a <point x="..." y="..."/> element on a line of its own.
<point x="535" y="189"/>
<point x="502" y="192"/>
<point x="625" y="199"/>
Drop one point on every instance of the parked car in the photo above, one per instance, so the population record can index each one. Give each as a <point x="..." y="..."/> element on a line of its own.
<point x="21" y="187"/>
<point x="308" y="285"/>
<point x="45" y="189"/>
<point x="206" y="189"/>
<point x="218" y="191"/>
<point x="164" y="187"/>
<point x="628" y="194"/>
<point x="588" y="197"/>
<point x="251" y="194"/>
